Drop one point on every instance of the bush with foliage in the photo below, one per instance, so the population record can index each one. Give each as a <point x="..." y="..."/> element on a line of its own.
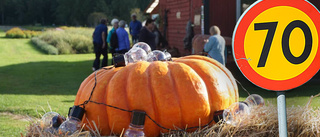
<point x="69" y="40"/>
<point x="18" y="33"/>
<point x="30" y="34"/>
<point x="45" y="46"/>
<point x="15" y="33"/>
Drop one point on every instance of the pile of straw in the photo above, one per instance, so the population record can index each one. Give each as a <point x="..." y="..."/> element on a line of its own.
<point x="263" y="121"/>
<point x="302" y="121"/>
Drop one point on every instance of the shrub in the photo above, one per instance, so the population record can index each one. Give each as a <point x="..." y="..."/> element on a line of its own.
<point x="69" y="40"/>
<point x="18" y="33"/>
<point x="64" y="48"/>
<point x="63" y="27"/>
<point x="30" y="34"/>
<point x="45" y="46"/>
<point x="15" y="33"/>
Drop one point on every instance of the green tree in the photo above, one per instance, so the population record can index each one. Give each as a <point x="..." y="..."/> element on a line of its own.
<point x="66" y="12"/>
<point x="94" y="18"/>
<point x="139" y="13"/>
<point x="2" y="6"/>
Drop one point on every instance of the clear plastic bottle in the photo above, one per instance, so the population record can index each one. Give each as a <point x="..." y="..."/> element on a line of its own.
<point x="136" y="127"/>
<point x="254" y="100"/>
<point x="134" y="55"/>
<point x="158" y="55"/>
<point x="70" y="126"/>
<point x="143" y="45"/>
<point x="168" y="55"/>
<point x="51" y="121"/>
<point x="73" y="123"/>
<point x="46" y="120"/>
<point x="233" y="114"/>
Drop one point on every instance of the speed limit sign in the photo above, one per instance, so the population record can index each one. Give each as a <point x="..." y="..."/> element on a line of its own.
<point x="276" y="43"/>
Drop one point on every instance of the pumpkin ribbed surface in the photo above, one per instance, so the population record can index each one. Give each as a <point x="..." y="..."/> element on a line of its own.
<point x="177" y="93"/>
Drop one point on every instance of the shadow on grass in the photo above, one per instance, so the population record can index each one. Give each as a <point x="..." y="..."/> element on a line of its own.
<point x="44" y="78"/>
<point x="312" y="87"/>
<point x="64" y="78"/>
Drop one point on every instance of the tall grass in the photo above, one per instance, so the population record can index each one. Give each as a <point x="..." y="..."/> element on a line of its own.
<point x="69" y="40"/>
<point x="45" y="46"/>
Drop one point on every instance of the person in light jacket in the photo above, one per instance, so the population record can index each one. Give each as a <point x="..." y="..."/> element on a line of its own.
<point x="215" y="46"/>
<point x="123" y="39"/>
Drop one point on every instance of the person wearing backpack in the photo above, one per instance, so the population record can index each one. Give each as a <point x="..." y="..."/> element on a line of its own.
<point x="112" y="38"/>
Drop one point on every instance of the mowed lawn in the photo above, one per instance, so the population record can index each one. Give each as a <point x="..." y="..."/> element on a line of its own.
<point x="31" y="81"/>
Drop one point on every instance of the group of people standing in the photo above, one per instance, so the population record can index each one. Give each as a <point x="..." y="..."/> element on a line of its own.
<point x="116" y="41"/>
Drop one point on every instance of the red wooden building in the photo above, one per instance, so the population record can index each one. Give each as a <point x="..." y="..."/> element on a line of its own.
<point x="174" y="14"/>
<point x="216" y="12"/>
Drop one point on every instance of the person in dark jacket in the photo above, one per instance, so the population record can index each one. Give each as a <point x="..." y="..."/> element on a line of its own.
<point x="187" y="40"/>
<point x="134" y="28"/>
<point x="100" y="45"/>
<point x="146" y="34"/>
<point x="160" y="41"/>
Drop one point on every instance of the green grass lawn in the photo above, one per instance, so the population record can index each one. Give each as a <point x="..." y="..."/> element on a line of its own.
<point x="12" y="126"/>
<point x="30" y="80"/>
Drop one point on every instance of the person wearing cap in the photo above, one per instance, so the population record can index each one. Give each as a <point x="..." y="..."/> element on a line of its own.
<point x="100" y="45"/>
<point x="123" y="39"/>
<point x="134" y="28"/>
<point x="147" y="35"/>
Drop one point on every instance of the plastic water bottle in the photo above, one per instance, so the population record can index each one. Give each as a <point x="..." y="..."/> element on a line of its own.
<point x="157" y="55"/>
<point x="143" y="45"/>
<point x="234" y="113"/>
<point x="72" y="124"/>
<point x="254" y="100"/>
<point x="136" y="127"/>
<point x="46" y="120"/>
<point x="134" y="55"/>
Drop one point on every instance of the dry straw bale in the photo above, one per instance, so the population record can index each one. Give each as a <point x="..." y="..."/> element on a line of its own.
<point x="263" y="121"/>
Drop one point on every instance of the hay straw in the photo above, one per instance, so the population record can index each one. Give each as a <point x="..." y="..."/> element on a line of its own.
<point x="263" y="121"/>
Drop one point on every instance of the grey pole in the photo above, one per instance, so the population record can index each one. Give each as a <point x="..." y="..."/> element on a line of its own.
<point x="282" y="114"/>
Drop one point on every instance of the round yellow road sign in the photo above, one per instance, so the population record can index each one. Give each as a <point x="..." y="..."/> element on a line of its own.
<point x="275" y="43"/>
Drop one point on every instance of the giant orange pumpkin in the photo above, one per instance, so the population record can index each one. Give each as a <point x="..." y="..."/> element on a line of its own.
<point x="179" y="93"/>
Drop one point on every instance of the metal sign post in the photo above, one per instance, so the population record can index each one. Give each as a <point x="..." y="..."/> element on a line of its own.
<point x="282" y="114"/>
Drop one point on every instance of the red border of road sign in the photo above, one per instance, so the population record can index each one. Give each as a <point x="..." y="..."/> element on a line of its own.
<point x="238" y="45"/>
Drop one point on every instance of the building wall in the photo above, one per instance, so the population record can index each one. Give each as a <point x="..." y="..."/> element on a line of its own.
<point x="222" y="13"/>
<point x="178" y="15"/>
